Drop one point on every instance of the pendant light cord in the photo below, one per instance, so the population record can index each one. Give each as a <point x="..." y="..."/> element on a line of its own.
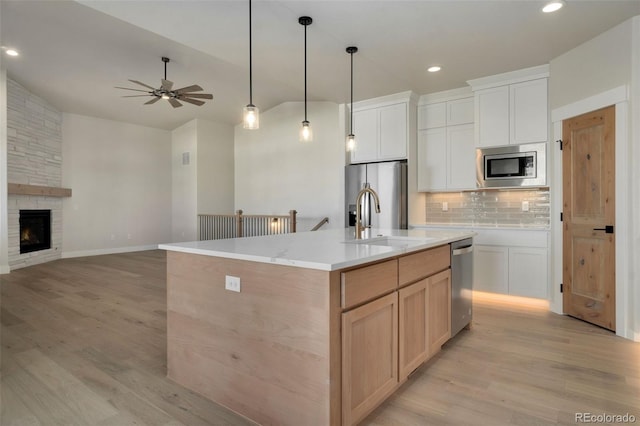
<point x="351" y="124"/>
<point x="305" y="73"/>
<point x="250" y="61"/>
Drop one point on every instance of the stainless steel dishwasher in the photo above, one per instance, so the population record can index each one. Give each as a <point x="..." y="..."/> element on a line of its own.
<point x="461" y="284"/>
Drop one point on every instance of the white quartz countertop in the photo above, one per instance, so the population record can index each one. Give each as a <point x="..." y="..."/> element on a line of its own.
<point x="327" y="250"/>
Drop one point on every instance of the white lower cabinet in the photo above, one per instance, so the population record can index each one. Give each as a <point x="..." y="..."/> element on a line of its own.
<point x="491" y="269"/>
<point x="512" y="262"/>
<point x="528" y="272"/>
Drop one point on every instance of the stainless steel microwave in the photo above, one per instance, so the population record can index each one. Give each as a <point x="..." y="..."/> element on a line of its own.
<point x="512" y="166"/>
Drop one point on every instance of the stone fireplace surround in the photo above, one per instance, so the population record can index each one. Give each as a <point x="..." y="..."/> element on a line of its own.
<point x="34" y="157"/>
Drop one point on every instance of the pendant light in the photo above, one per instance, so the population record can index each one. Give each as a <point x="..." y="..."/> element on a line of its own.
<point x="351" y="138"/>
<point x="306" y="134"/>
<point x="250" y="113"/>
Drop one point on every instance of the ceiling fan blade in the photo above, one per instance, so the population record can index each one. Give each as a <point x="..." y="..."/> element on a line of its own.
<point x="135" y="96"/>
<point x="192" y="101"/>
<point x="166" y="84"/>
<point x="194" y="88"/>
<point x="197" y="95"/>
<point x="153" y="101"/>
<point x="127" y="88"/>
<point x="174" y="103"/>
<point x="142" y="84"/>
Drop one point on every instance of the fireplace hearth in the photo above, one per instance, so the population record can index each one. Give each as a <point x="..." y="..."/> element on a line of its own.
<point x="35" y="230"/>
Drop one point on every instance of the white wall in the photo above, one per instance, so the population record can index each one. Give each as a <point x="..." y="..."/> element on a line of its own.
<point x="594" y="67"/>
<point x="275" y="173"/>
<point x="205" y="185"/>
<point x="215" y="167"/>
<point x="184" y="183"/>
<point x="581" y="80"/>
<point x="120" y="175"/>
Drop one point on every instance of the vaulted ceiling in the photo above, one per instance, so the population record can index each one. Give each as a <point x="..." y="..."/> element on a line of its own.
<point x="74" y="53"/>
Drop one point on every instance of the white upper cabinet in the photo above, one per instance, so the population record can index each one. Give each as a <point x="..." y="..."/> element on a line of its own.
<point x="393" y="132"/>
<point x="432" y="116"/>
<point x="381" y="128"/>
<point x="492" y="116"/>
<point x="365" y="126"/>
<point x="460" y="111"/>
<point x="449" y="113"/>
<point x="528" y="111"/>
<point x="432" y="159"/>
<point x="461" y="157"/>
<point x="512" y="108"/>
<point x="446" y="148"/>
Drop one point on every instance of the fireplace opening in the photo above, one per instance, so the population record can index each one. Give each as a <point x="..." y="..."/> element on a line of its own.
<point x="35" y="230"/>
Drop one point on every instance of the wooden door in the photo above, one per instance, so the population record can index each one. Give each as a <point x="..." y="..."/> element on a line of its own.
<point x="413" y="341"/>
<point x="369" y="356"/>
<point x="439" y="310"/>
<point x="588" y="163"/>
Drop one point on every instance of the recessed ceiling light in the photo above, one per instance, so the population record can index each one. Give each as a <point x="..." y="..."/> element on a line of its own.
<point x="434" y="68"/>
<point x="12" y="52"/>
<point x="552" y="6"/>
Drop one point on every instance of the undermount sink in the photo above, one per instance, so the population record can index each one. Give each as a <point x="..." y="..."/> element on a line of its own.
<point x="390" y="241"/>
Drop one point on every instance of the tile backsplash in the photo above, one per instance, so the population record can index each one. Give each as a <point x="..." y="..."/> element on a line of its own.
<point x="489" y="208"/>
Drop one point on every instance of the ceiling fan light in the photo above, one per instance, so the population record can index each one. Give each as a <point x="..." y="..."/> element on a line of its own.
<point x="434" y="68"/>
<point x="12" y="52"/>
<point x="165" y="96"/>
<point x="306" y="134"/>
<point x="553" y="6"/>
<point x="251" y="117"/>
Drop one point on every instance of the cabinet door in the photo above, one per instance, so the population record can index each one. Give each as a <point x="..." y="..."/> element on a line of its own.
<point x="528" y="275"/>
<point x="528" y="104"/>
<point x="393" y="132"/>
<point x="365" y="127"/>
<point x="438" y="310"/>
<point x="413" y="343"/>
<point x="460" y="111"/>
<point x="491" y="269"/>
<point x="432" y="159"/>
<point x="432" y="115"/>
<point x="492" y="116"/>
<point x="461" y="157"/>
<point x="369" y="356"/>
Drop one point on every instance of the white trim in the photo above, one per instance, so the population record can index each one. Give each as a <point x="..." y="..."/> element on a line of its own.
<point x="512" y="77"/>
<point x="115" y="250"/>
<point x="617" y="97"/>
<point x="592" y="103"/>
<point x="446" y="95"/>
<point x="555" y="195"/>
<point x="396" y="98"/>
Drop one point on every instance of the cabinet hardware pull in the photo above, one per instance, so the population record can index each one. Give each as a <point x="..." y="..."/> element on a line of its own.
<point x="607" y="229"/>
<point x="463" y="250"/>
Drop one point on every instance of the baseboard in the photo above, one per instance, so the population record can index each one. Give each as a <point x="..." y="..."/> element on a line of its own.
<point x="114" y="250"/>
<point x="4" y="269"/>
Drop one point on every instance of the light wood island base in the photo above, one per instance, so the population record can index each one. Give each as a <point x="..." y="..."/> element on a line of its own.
<point x="270" y="352"/>
<point x="300" y="346"/>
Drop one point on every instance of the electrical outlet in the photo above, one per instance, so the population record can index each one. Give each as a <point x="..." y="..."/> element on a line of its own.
<point x="445" y="206"/>
<point x="232" y="283"/>
<point x="525" y="206"/>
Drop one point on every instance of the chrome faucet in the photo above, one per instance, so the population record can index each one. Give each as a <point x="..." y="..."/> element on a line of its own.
<point x="363" y="191"/>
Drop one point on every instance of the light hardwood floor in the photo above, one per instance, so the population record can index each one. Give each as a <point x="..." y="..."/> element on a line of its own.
<point x="83" y="342"/>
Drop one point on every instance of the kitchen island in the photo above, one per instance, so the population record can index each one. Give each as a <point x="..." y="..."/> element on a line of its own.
<point x="323" y="327"/>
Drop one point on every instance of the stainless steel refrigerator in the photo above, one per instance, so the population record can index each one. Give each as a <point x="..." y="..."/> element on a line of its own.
<point x="389" y="180"/>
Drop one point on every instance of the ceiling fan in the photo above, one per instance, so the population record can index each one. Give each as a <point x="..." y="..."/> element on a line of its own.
<point x="165" y="91"/>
